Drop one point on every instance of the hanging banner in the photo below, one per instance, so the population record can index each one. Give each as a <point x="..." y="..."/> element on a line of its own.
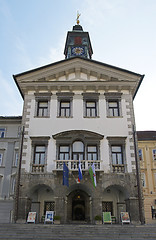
<point x="31" y="217"/>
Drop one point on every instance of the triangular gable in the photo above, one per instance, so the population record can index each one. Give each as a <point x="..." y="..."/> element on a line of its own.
<point x="76" y="69"/>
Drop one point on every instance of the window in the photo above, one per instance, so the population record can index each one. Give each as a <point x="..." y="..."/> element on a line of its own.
<point x="140" y="154"/>
<point x="16" y="159"/>
<point x="113" y="108"/>
<point x="65" y="100"/>
<point x="78" y="150"/>
<point x="39" y="155"/>
<point x="2" y="132"/>
<point x="92" y="153"/>
<point x="117" y="156"/>
<point x="42" y="104"/>
<point x="49" y="206"/>
<point x="64" y="153"/>
<point x="113" y="102"/>
<point x="77" y="144"/>
<point x="65" y="109"/>
<point x="42" y="110"/>
<point x="1" y="159"/>
<point x="154" y="154"/>
<point x="91" y="109"/>
<point x="143" y="179"/>
<point x="13" y="184"/>
<point x="90" y="104"/>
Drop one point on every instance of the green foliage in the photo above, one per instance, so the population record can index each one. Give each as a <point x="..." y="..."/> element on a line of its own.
<point x="98" y="218"/>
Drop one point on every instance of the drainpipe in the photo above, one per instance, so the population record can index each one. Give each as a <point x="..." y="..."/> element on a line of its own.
<point x="16" y="198"/>
<point x="142" y="220"/>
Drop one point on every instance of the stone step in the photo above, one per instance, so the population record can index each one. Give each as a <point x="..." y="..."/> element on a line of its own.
<point x="74" y="232"/>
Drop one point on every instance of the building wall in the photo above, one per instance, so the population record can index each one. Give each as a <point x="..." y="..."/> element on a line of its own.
<point x="9" y="147"/>
<point x="148" y="175"/>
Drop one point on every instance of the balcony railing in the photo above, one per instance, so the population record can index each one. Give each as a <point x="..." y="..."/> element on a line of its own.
<point x="118" y="168"/>
<point x="38" y="168"/>
<point x="74" y="164"/>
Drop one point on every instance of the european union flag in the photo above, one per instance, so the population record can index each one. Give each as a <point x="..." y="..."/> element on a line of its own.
<point x="65" y="175"/>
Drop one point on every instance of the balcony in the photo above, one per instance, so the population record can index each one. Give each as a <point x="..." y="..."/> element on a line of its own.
<point x="73" y="165"/>
<point x="38" y="168"/>
<point x="118" y="168"/>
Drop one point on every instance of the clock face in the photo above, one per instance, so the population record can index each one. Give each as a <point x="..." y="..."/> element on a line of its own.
<point x="77" y="51"/>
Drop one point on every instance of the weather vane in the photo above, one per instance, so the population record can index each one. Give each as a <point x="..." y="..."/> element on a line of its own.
<point x="77" y="19"/>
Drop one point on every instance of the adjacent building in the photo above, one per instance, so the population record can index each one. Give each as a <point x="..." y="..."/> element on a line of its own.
<point x="9" y="155"/>
<point x="78" y="109"/>
<point x="147" y="157"/>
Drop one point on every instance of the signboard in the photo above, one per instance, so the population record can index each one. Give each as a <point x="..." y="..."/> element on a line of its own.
<point x="125" y="217"/>
<point x="49" y="217"/>
<point x="107" y="217"/>
<point x="31" y="217"/>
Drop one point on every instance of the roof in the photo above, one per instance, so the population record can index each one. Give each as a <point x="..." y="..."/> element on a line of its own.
<point x="146" y="135"/>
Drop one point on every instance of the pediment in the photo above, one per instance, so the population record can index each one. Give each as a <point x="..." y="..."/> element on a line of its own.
<point x="76" y="71"/>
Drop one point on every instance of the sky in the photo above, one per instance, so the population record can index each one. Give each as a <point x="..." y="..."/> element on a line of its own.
<point x="122" y="33"/>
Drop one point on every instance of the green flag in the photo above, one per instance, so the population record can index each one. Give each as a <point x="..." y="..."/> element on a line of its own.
<point x="93" y="174"/>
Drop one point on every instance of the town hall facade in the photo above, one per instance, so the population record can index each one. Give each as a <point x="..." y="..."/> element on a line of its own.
<point x="78" y="109"/>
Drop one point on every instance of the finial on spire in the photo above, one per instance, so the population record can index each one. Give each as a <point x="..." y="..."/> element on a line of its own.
<point x="77" y="19"/>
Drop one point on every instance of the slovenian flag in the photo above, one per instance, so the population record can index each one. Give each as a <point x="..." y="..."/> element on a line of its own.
<point x="93" y="174"/>
<point x="80" y="172"/>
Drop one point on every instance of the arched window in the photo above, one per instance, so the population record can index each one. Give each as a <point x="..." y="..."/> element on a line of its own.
<point x="78" y="150"/>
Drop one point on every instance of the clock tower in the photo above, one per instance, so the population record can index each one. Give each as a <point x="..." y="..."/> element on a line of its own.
<point x="78" y="43"/>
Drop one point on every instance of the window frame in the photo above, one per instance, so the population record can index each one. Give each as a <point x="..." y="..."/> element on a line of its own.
<point x="140" y="154"/>
<point x="91" y="98"/>
<point x="118" y="141"/>
<point x="64" y="153"/>
<point x="2" y="132"/>
<point x="113" y="111"/>
<point x="42" y="98"/>
<point x="63" y="97"/>
<point x="116" y="98"/>
<point x="154" y="154"/>
<point x="92" y="152"/>
<point x="1" y="159"/>
<point x="40" y="154"/>
<point x="39" y="141"/>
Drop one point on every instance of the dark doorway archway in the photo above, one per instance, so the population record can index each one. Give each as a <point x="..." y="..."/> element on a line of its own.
<point x="78" y="207"/>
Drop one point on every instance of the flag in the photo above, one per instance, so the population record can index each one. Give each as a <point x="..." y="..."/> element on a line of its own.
<point x="93" y="174"/>
<point x="65" y="175"/>
<point x="80" y="172"/>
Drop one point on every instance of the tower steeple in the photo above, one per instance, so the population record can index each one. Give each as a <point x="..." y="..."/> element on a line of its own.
<point x="78" y="42"/>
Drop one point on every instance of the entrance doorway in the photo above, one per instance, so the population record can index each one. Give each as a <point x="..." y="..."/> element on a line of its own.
<point x="78" y="208"/>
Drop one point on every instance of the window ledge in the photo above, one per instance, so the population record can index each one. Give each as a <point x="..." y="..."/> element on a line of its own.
<point x="114" y="116"/>
<point x="64" y="117"/>
<point x="92" y="117"/>
<point x="41" y="116"/>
